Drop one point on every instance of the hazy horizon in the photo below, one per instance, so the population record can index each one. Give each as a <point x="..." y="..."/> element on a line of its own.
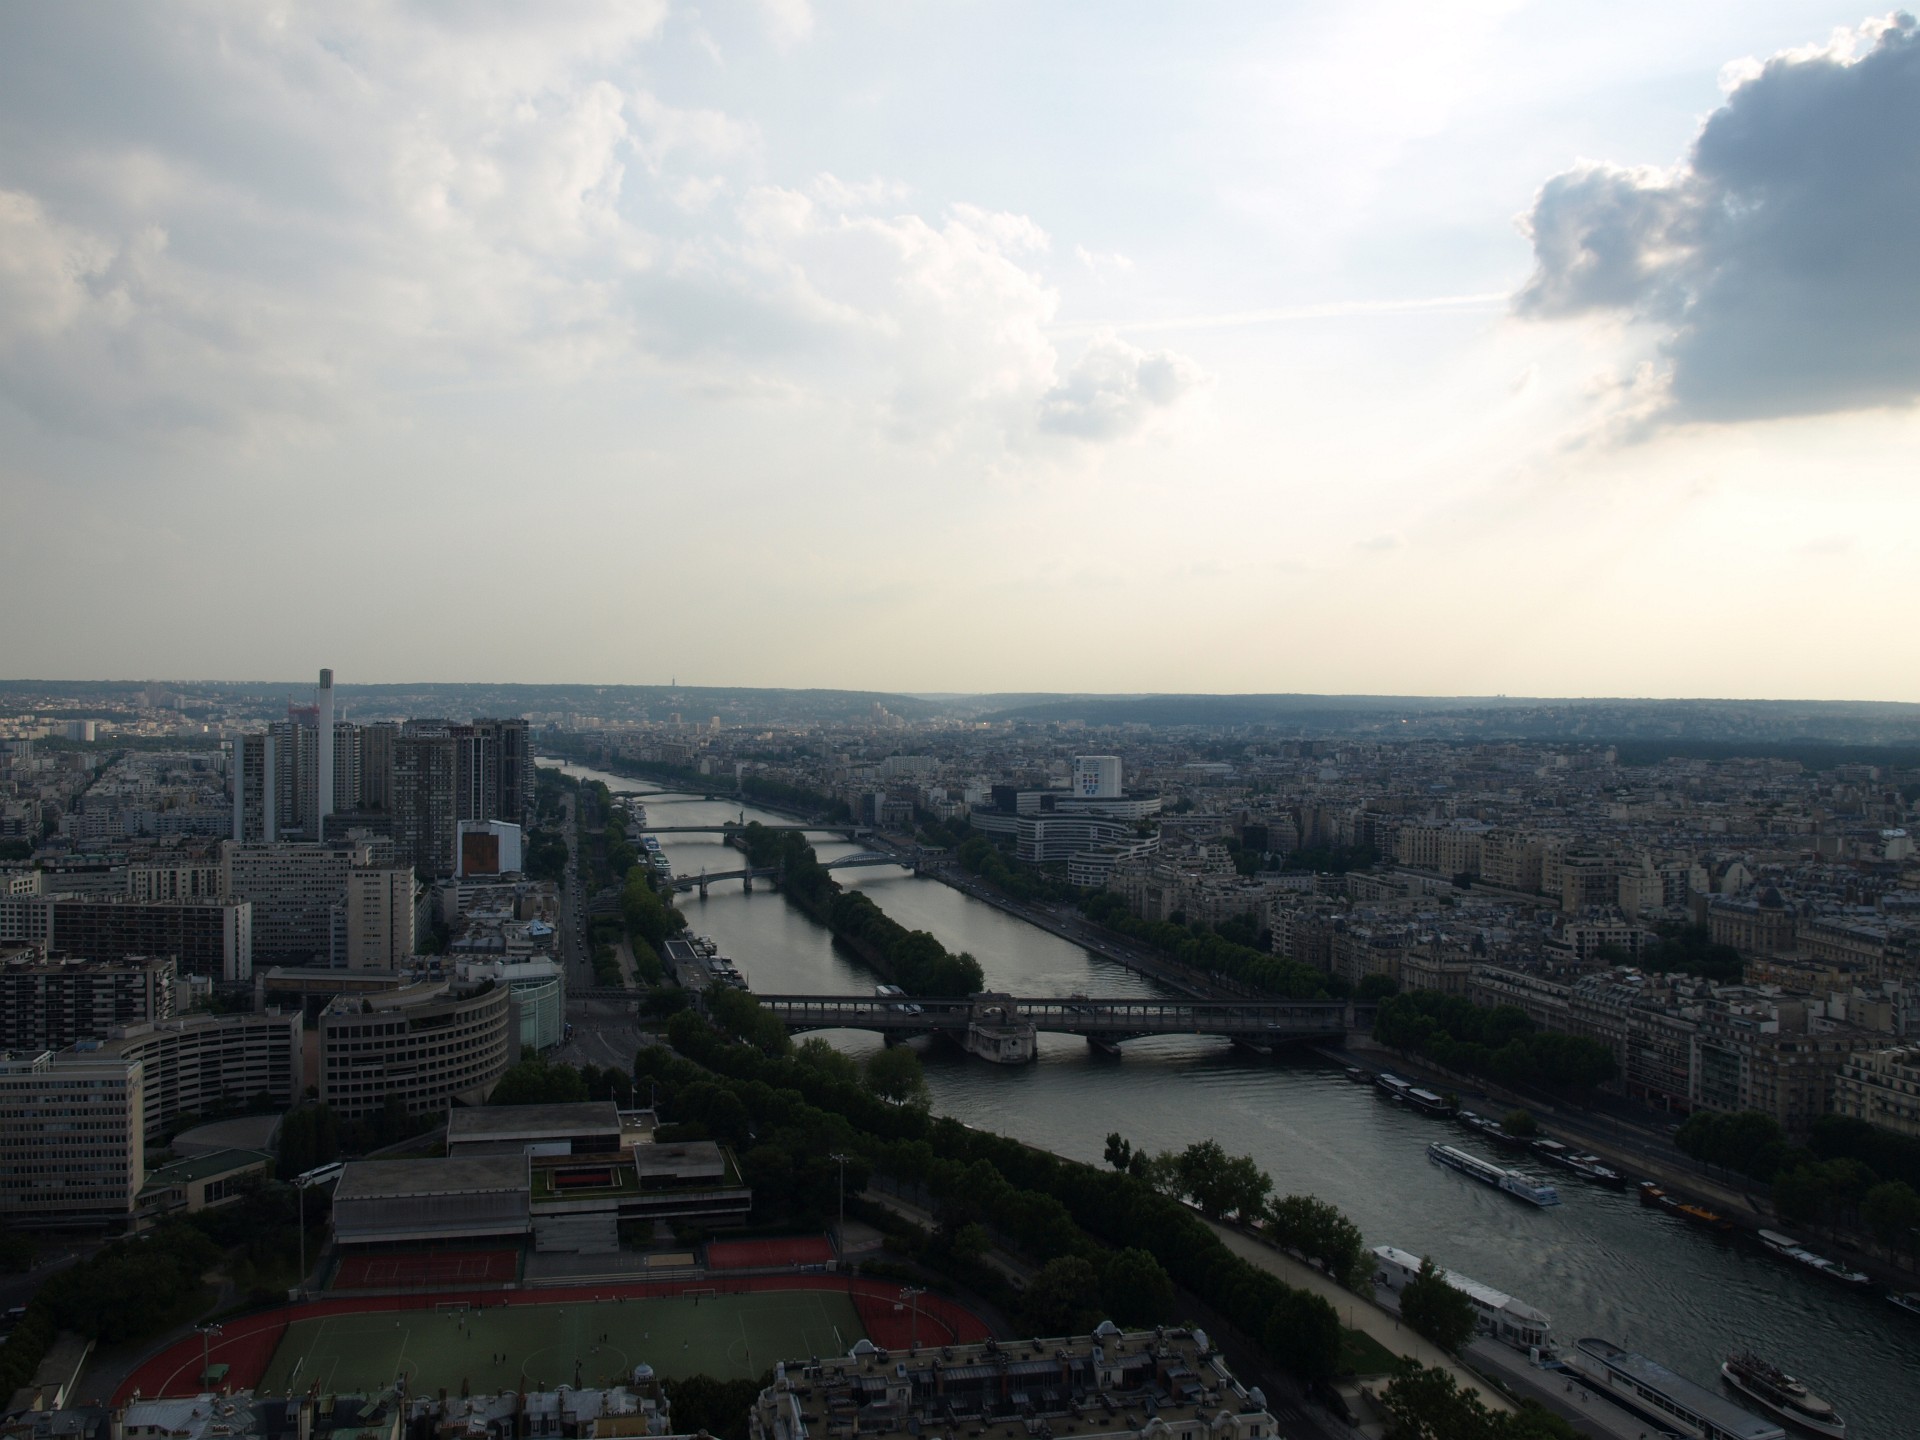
<point x="1492" y="349"/>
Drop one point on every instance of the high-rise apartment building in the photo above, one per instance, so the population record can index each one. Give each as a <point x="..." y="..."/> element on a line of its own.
<point x="379" y="918"/>
<point x="50" y="1004"/>
<point x="424" y="794"/>
<point x="376" y="767"/>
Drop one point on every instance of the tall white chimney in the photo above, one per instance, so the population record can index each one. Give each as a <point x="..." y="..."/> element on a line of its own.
<point x="324" y="800"/>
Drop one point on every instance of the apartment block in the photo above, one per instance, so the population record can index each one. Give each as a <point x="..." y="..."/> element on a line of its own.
<point x="424" y="1045"/>
<point x="72" y="1137"/>
<point x="294" y="889"/>
<point x="213" y="938"/>
<point x="50" y="1004"/>
<point x="1881" y="1087"/>
<point x="196" y="1063"/>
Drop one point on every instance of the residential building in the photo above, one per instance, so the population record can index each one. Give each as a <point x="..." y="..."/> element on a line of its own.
<point x="72" y="1137"/>
<point x="1881" y="1087"/>
<point x="294" y="889"/>
<point x="213" y="938"/>
<point x="424" y="799"/>
<point x="197" y="1063"/>
<point x="50" y="1004"/>
<point x="1166" y="1384"/>
<point x="379" y="916"/>
<point x="423" y="1044"/>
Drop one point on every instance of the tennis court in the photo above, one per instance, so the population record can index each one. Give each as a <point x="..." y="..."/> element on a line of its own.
<point x="766" y="1254"/>
<point x="534" y="1346"/>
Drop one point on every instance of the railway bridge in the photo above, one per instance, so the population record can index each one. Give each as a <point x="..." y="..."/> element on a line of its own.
<point x="1105" y="1024"/>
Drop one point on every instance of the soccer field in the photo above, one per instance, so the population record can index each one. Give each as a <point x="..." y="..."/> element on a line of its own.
<point x="538" y="1347"/>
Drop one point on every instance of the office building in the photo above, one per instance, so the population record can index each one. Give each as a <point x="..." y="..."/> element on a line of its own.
<point x="72" y="1137"/>
<point x="486" y="847"/>
<point x="1097" y="777"/>
<point x="50" y="1004"/>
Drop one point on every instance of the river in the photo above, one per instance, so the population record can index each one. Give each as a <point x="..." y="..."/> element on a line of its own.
<point x="1598" y="1263"/>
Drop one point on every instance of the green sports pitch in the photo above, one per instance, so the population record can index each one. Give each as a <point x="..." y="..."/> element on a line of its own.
<point x="539" y="1347"/>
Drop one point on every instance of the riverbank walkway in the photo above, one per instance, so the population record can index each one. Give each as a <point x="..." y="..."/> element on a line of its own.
<point x="1356" y="1312"/>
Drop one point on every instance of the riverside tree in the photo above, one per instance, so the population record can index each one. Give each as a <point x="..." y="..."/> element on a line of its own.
<point x="1436" y="1310"/>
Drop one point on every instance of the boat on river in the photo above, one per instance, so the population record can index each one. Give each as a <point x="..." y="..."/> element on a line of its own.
<point x="1907" y="1300"/>
<point x="1652" y="1195"/>
<point x="1587" y="1167"/>
<point x="1673" y="1403"/>
<point x="1780" y="1395"/>
<point x="1491" y="1130"/>
<point x="1511" y="1321"/>
<point x="1516" y="1183"/>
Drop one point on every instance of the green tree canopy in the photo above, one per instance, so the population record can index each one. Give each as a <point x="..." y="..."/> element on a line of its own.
<point x="1062" y="1298"/>
<point x="894" y="1073"/>
<point x="1436" y="1310"/>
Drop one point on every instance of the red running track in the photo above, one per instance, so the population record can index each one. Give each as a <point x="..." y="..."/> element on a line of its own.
<point x="247" y="1344"/>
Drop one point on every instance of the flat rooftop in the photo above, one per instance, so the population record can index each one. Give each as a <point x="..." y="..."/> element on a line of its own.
<point x="390" y="1179"/>
<point x="544" y="1122"/>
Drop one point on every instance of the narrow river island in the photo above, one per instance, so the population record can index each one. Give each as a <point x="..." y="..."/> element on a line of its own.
<point x="1598" y="1264"/>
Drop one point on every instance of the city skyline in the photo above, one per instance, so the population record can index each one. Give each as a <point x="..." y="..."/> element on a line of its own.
<point x="1510" y="350"/>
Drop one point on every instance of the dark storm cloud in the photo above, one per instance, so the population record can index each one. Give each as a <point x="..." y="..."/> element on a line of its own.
<point x="1781" y="259"/>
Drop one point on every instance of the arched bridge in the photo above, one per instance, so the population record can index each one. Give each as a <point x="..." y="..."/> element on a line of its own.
<point x="748" y="875"/>
<point x="826" y="827"/>
<point x="1105" y="1023"/>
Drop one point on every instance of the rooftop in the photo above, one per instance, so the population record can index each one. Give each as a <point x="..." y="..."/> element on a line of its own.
<point x="385" y="1179"/>
<point x="499" y="1122"/>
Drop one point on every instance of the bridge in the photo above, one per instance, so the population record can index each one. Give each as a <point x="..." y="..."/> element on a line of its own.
<point x="829" y="826"/>
<point x="747" y="875"/>
<point x="1260" y="1024"/>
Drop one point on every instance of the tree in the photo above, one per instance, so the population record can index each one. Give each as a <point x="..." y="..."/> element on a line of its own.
<point x="1061" y="1298"/>
<point x="1436" y="1310"/>
<point x="1320" y="1232"/>
<point x="1376" y="987"/>
<point x="1520" y="1123"/>
<point x="1119" y="1152"/>
<point x="819" y="1054"/>
<point x="894" y="1074"/>
<point x="1427" y="1403"/>
<point x="1891" y="1211"/>
<point x="539" y="1082"/>
<point x="1134" y="1289"/>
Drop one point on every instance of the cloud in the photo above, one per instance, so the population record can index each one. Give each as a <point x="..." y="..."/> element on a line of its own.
<point x="1113" y="389"/>
<point x="788" y="22"/>
<point x="1775" y="264"/>
<point x="218" y="218"/>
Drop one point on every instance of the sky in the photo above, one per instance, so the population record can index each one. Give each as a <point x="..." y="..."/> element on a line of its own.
<point x="1489" y="347"/>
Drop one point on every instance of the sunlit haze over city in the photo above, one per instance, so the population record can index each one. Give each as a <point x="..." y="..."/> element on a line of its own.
<point x="1475" y="348"/>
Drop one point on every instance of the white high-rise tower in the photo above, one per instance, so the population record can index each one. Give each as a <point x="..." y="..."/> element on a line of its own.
<point x="323" y="789"/>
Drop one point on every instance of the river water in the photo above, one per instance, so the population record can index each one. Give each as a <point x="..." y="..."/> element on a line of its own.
<point x="1598" y="1263"/>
